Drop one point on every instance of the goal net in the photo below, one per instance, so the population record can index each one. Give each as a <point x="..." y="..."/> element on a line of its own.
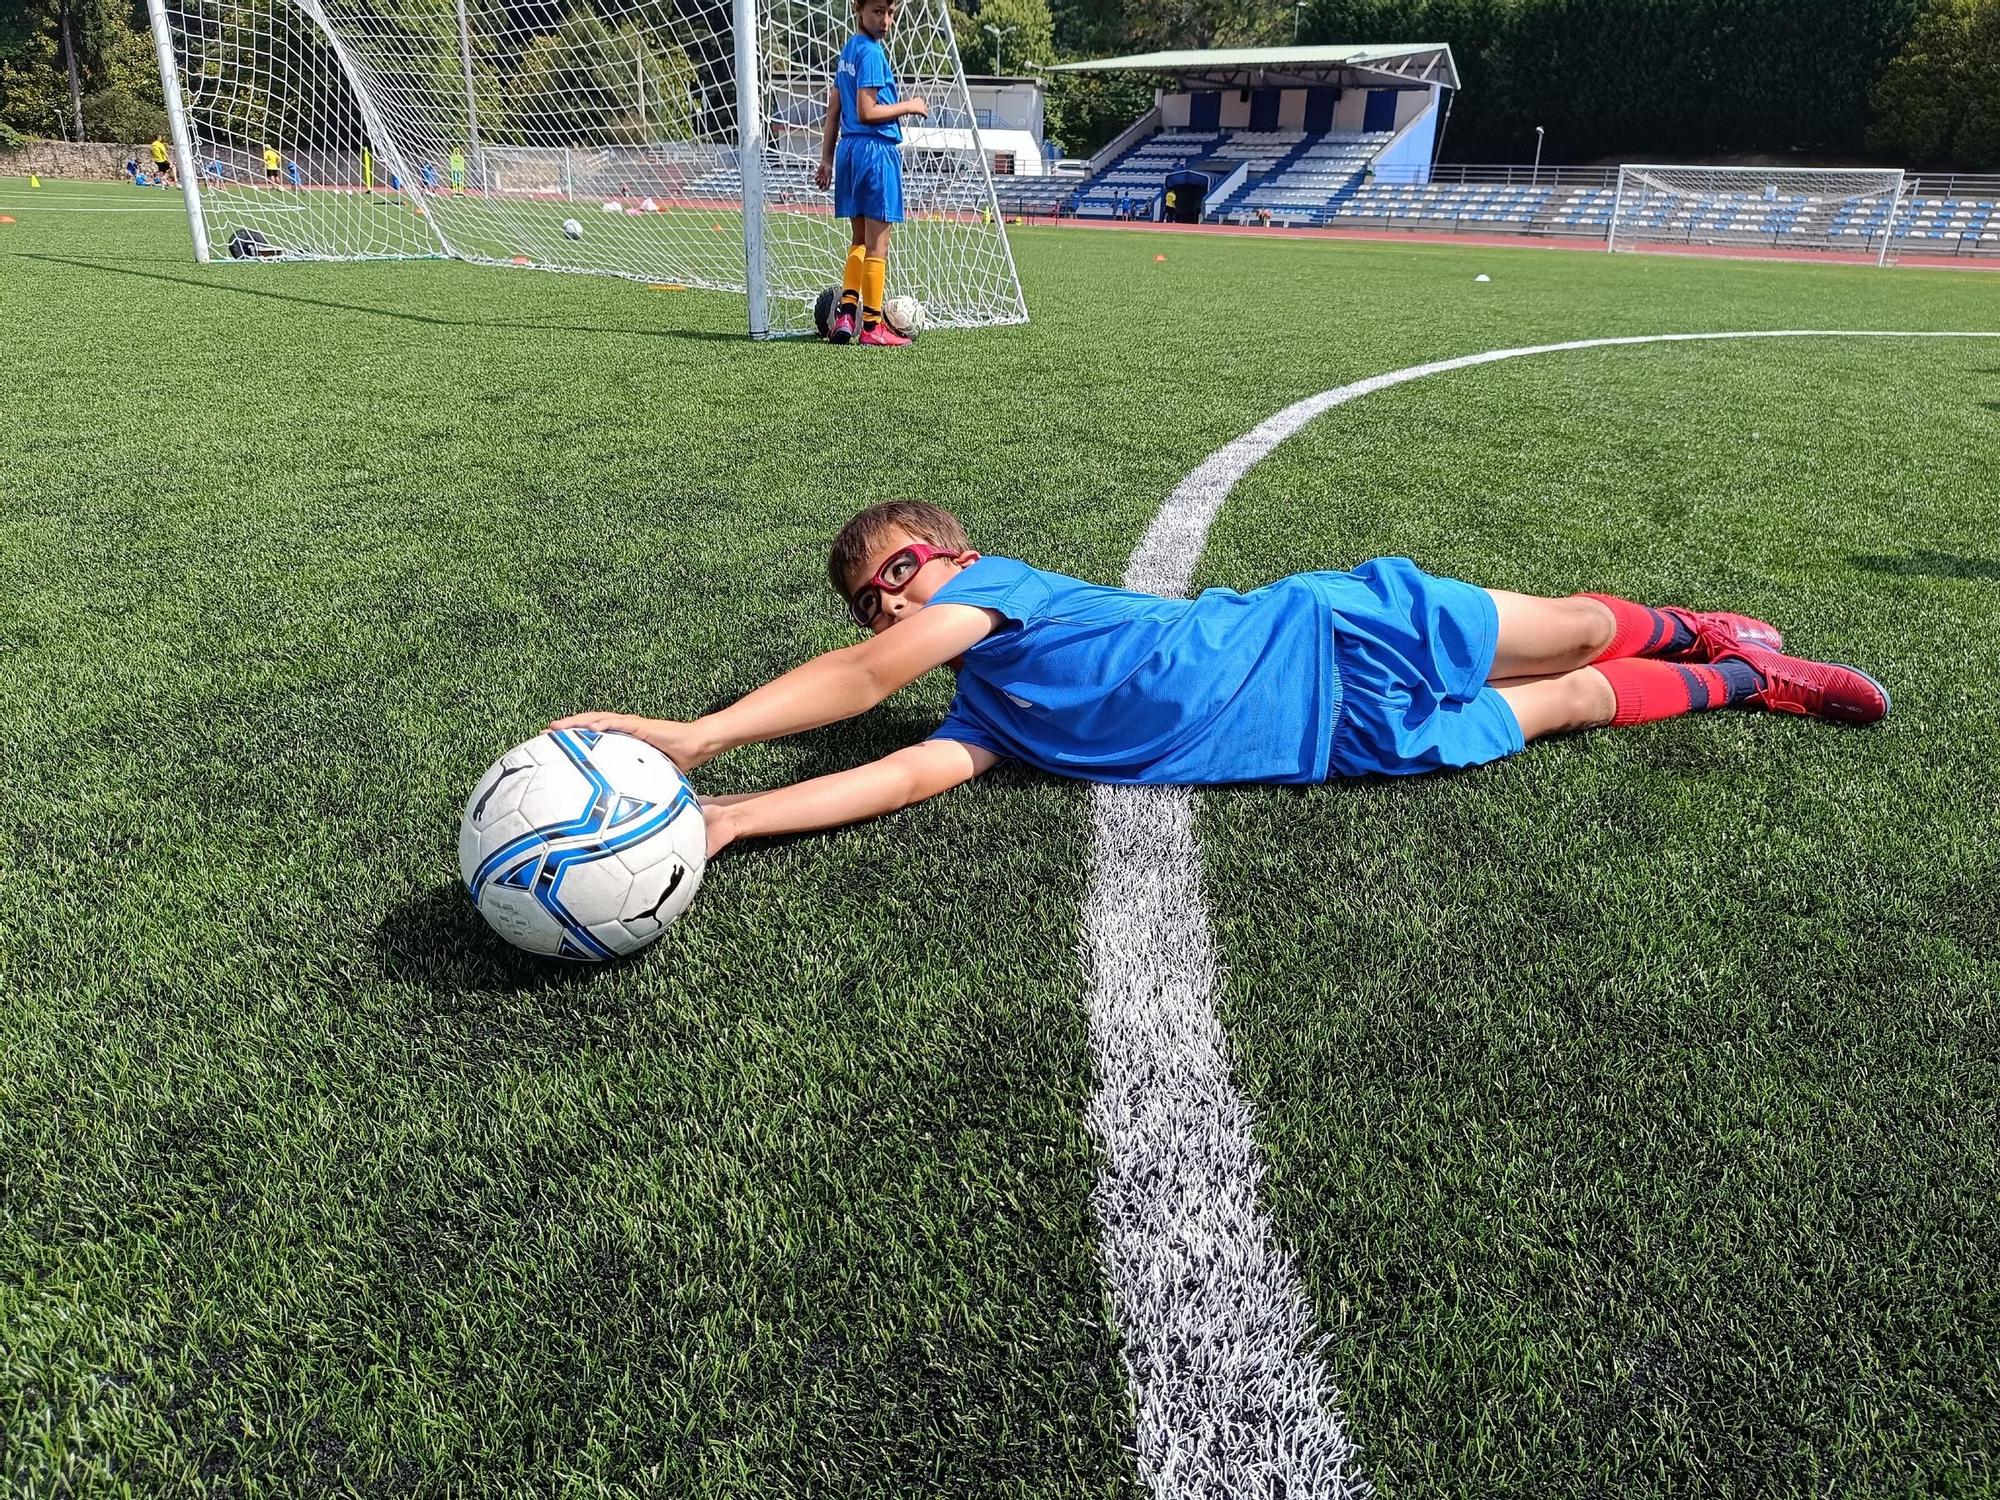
<point x="574" y="135"/>
<point x="1853" y="211"/>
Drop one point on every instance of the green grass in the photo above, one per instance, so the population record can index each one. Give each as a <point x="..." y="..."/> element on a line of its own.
<point x="1630" y="1106"/>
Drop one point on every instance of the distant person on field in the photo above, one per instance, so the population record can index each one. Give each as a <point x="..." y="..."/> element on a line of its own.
<point x="214" y="171"/>
<point x="271" y="165"/>
<point x="162" y="159"/>
<point x="132" y="170"/>
<point x="1383" y="670"/>
<point x="860" y="158"/>
<point x="292" y="174"/>
<point x="455" y="165"/>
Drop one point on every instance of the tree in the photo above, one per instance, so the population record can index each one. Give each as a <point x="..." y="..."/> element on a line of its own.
<point x="62" y="58"/>
<point x="1939" y="98"/>
<point x="1027" y="28"/>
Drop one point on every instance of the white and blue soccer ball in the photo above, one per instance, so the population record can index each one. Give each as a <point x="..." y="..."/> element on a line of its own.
<point x="582" y="844"/>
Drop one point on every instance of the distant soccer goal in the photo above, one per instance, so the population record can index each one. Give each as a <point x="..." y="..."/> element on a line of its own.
<point x="1851" y="211"/>
<point x="679" y="135"/>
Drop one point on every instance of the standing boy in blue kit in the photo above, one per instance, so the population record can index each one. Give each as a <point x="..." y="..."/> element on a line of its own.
<point x="861" y="158"/>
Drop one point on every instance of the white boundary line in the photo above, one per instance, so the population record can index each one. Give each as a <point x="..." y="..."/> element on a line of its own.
<point x="1221" y="1348"/>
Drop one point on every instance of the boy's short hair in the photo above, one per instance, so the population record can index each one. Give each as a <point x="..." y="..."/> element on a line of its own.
<point x="862" y="535"/>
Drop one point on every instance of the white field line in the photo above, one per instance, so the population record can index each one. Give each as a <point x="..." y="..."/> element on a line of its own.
<point x="1222" y="1350"/>
<point x="37" y="202"/>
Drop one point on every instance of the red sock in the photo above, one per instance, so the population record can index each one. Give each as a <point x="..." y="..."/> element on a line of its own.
<point x="1640" y="631"/>
<point x="1650" y="690"/>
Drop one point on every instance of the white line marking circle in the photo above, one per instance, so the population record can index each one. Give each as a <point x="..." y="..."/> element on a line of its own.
<point x="1222" y="1355"/>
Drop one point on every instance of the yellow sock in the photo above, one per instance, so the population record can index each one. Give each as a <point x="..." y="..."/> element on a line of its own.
<point x="850" y="280"/>
<point x="873" y="274"/>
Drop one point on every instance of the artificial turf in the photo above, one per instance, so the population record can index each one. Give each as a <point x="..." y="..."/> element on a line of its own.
<point x="1629" y="1106"/>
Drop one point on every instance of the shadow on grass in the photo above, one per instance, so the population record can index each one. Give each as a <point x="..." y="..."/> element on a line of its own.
<point x="438" y="940"/>
<point x="1931" y="565"/>
<point x="213" y="284"/>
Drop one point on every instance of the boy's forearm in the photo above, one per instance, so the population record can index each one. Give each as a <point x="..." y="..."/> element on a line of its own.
<point x="824" y="691"/>
<point x="824" y="802"/>
<point x="829" y="135"/>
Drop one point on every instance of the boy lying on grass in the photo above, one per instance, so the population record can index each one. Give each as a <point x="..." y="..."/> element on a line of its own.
<point x="1382" y="670"/>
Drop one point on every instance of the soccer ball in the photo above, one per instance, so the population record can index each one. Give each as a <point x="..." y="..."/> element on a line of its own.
<point x="582" y="844"/>
<point x="823" y="310"/>
<point x="573" y="229"/>
<point x="905" y="315"/>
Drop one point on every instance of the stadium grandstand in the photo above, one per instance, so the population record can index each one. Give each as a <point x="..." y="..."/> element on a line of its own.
<point x="1256" y="134"/>
<point x="1347" y="137"/>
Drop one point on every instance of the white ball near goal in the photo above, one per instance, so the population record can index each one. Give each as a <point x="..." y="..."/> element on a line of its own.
<point x="582" y="844"/>
<point x="573" y="229"/>
<point x="905" y="315"/>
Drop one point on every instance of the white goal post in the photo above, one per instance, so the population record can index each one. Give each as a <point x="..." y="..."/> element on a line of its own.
<point x="597" y="136"/>
<point x="1856" y="211"/>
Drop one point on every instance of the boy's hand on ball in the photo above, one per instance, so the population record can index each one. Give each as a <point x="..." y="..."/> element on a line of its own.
<point x="678" y="742"/>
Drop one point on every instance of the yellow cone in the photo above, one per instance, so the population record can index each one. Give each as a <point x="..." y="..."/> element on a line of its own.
<point x="33" y="180"/>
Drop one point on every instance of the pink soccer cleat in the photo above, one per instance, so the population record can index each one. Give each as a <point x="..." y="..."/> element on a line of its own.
<point x="1819" y="689"/>
<point x="882" y="336"/>
<point x="1718" y="631"/>
<point x="843" y="327"/>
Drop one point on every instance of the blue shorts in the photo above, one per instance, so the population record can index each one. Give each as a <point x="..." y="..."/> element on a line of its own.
<point x="1413" y="653"/>
<point x="868" y="179"/>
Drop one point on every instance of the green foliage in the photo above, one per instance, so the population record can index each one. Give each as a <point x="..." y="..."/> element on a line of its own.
<point x="124" y="103"/>
<point x="10" y="138"/>
<point x="34" y="94"/>
<point x="1939" y="100"/>
<point x="580" y="84"/>
<point x="1031" y="39"/>
<point x="1667" y="78"/>
<point x="1086" y="110"/>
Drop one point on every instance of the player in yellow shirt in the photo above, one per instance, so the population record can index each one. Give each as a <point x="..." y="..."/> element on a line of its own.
<point x="271" y="166"/>
<point x="163" y="165"/>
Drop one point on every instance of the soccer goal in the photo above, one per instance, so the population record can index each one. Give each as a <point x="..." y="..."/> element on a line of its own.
<point x="668" y="141"/>
<point x="1852" y="211"/>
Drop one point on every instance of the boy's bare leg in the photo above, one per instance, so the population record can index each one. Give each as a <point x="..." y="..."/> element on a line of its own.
<point x="1561" y="702"/>
<point x="1539" y="637"/>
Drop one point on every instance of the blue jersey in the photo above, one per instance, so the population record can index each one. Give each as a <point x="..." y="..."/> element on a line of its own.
<point x="1110" y="685"/>
<point x="864" y="64"/>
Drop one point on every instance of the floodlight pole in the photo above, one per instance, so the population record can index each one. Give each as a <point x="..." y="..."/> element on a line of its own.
<point x="1536" y="179"/>
<point x="471" y="99"/>
<point x="170" y="85"/>
<point x="1000" y="34"/>
<point x="1298" y="11"/>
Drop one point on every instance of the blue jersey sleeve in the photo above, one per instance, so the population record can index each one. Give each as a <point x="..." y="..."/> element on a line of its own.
<point x="1013" y="590"/>
<point x="872" y="68"/>
<point x="964" y="725"/>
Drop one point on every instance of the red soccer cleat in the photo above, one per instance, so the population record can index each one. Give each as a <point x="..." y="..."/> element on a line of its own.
<point x="843" y="327"/>
<point x="882" y="336"/>
<point x="1820" y="689"/>
<point x="1717" y="632"/>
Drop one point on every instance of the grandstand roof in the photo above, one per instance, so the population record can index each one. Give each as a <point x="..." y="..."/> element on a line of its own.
<point x="1297" y="67"/>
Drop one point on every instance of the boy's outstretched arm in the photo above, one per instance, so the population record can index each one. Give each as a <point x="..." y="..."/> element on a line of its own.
<point x="829" y="137"/>
<point x="883" y="786"/>
<point x="827" y="689"/>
